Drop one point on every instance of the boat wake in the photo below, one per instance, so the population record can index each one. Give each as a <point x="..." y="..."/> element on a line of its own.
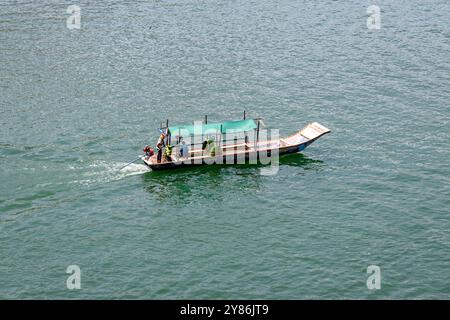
<point x="42" y="185"/>
<point x="100" y="171"/>
<point x="133" y="169"/>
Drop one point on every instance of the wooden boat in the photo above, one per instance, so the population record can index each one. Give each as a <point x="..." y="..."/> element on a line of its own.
<point x="245" y="147"/>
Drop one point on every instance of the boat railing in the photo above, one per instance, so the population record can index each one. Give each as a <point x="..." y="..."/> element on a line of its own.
<point x="237" y="144"/>
<point x="242" y="140"/>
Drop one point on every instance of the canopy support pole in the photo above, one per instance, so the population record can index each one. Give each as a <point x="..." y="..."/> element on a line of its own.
<point x="221" y="139"/>
<point x="257" y="134"/>
<point x="167" y="132"/>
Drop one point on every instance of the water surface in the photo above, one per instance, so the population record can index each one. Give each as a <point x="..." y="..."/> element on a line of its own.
<point x="76" y="105"/>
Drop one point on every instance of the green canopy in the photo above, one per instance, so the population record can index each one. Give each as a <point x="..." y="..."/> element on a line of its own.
<point x="212" y="128"/>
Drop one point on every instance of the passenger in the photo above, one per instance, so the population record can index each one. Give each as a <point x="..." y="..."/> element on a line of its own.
<point x="204" y="144"/>
<point x="168" y="153"/>
<point x="184" y="150"/>
<point x="149" y="152"/>
<point x="160" y="145"/>
<point x="212" y="148"/>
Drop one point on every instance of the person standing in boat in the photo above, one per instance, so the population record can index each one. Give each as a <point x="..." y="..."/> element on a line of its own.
<point x="183" y="149"/>
<point x="168" y="153"/>
<point x="160" y="145"/>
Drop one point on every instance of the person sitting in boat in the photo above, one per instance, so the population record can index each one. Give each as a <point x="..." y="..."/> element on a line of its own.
<point x="149" y="152"/>
<point x="212" y="147"/>
<point x="160" y="145"/>
<point x="204" y="144"/>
